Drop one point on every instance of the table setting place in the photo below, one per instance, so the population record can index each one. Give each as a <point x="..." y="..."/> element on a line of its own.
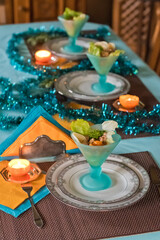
<point x="80" y="134"/>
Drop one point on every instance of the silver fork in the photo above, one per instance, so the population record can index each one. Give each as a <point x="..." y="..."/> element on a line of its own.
<point x="37" y="218"/>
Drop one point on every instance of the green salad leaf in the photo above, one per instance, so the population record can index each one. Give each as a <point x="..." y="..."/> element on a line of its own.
<point x="94" y="133"/>
<point x="94" y="50"/>
<point x="117" y="52"/>
<point x="70" y="14"/>
<point x="81" y="126"/>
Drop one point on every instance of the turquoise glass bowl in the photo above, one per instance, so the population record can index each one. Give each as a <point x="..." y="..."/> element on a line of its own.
<point x="102" y="66"/>
<point x="95" y="179"/>
<point x="73" y="28"/>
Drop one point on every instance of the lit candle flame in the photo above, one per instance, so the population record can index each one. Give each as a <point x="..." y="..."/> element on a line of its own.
<point x="43" y="56"/>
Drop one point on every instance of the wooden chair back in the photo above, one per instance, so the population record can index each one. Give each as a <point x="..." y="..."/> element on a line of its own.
<point x="79" y="5"/>
<point x="154" y="46"/>
<point x="23" y="11"/>
<point x="131" y="21"/>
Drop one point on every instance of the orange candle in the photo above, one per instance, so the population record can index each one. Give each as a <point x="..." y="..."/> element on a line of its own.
<point x="43" y="56"/>
<point x="19" y="167"/>
<point x="129" y="101"/>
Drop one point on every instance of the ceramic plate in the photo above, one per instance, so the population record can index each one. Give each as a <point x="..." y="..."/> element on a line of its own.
<point x="77" y="85"/>
<point x="56" y="45"/>
<point x="130" y="182"/>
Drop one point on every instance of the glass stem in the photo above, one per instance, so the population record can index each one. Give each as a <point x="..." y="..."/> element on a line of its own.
<point x="72" y="41"/>
<point x="102" y="80"/>
<point x="95" y="172"/>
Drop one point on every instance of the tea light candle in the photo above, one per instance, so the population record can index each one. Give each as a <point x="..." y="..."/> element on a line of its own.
<point x="19" y="167"/>
<point x="129" y="101"/>
<point x="43" y="56"/>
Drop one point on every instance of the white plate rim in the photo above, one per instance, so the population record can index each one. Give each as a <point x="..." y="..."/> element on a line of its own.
<point x="94" y="98"/>
<point x="143" y="189"/>
<point x="77" y="56"/>
<point x="125" y="168"/>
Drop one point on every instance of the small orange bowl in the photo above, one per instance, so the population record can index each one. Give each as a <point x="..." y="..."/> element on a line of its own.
<point x="43" y="56"/>
<point x="19" y="167"/>
<point x="129" y="101"/>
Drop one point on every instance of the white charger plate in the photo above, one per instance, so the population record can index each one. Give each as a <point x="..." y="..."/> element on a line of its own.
<point x="130" y="182"/>
<point x="77" y="85"/>
<point x="56" y="45"/>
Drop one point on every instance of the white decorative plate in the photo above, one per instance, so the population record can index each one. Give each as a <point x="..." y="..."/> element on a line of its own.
<point x="130" y="182"/>
<point x="77" y="85"/>
<point x="56" y="45"/>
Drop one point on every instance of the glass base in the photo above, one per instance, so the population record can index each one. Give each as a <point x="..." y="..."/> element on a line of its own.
<point x="103" y="88"/>
<point x="73" y="49"/>
<point x="95" y="184"/>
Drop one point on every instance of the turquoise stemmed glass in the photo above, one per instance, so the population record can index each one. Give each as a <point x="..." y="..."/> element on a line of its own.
<point x="95" y="179"/>
<point x="102" y="66"/>
<point x="73" y="28"/>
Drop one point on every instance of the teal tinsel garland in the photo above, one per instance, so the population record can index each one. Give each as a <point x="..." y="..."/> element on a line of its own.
<point x="122" y="66"/>
<point x="130" y="123"/>
<point x="22" y="96"/>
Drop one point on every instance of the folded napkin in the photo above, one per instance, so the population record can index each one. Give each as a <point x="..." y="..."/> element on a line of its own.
<point x="38" y="122"/>
<point x="40" y="194"/>
<point x="11" y="194"/>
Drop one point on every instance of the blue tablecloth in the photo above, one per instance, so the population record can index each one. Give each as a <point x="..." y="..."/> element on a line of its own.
<point x="146" y="75"/>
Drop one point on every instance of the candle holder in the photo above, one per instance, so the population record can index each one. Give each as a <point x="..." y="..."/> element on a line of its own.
<point x="19" y="167"/>
<point x="31" y="175"/>
<point x="44" y="57"/>
<point x="128" y="103"/>
<point x="96" y="179"/>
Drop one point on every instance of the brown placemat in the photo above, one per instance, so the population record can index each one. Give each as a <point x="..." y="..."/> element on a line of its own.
<point x="64" y="222"/>
<point x="137" y="88"/>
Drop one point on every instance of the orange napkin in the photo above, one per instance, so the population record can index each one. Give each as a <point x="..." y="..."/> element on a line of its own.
<point x="11" y="194"/>
<point x="40" y="127"/>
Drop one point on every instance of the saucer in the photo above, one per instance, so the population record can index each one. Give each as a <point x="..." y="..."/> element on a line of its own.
<point x="119" y="107"/>
<point x="33" y="173"/>
<point x="56" y="45"/>
<point x="55" y="63"/>
<point x="77" y="85"/>
<point x="52" y="61"/>
<point x="130" y="182"/>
